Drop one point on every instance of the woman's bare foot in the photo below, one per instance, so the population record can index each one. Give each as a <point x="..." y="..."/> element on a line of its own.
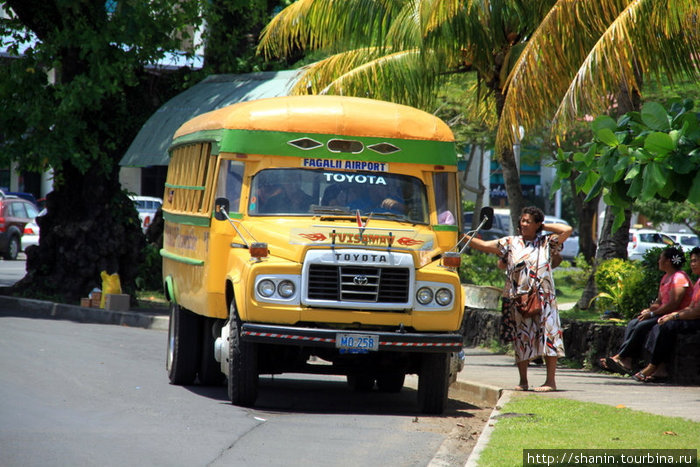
<point x="545" y="388"/>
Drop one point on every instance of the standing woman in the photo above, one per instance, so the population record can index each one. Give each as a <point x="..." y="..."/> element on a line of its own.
<point x="527" y="261"/>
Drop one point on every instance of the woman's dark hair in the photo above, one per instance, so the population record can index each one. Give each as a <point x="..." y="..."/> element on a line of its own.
<point x="536" y="213"/>
<point x="675" y="255"/>
<point x="695" y="251"/>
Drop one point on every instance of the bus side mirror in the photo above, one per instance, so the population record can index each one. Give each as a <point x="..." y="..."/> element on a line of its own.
<point x="221" y="207"/>
<point x="486" y="213"/>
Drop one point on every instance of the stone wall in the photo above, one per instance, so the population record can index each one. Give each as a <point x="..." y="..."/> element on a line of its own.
<point x="586" y="342"/>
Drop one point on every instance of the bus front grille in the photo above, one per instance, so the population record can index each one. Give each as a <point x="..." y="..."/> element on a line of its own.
<point x="358" y="284"/>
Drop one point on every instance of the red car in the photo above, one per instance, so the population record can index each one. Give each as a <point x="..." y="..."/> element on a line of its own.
<point x="15" y="214"/>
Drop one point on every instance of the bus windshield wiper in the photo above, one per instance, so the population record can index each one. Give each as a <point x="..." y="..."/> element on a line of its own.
<point x="392" y="215"/>
<point x="332" y="210"/>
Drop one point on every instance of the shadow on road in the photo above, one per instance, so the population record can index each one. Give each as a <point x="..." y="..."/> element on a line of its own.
<point x="302" y="395"/>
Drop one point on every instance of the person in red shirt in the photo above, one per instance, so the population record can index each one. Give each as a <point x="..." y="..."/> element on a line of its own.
<point x="663" y="335"/>
<point x="674" y="294"/>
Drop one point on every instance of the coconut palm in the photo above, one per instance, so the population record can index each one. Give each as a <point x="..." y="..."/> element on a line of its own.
<point x="577" y="56"/>
<point x="401" y="50"/>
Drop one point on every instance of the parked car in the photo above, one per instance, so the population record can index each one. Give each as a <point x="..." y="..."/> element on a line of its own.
<point x="641" y="240"/>
<point x="15" y="214"/>
<point x="687" y="241"/>
<point x="570" y="248"/>
<point x="500" y="228"/>
<point x="31" y="235"/>
<point x="147" y="207"/>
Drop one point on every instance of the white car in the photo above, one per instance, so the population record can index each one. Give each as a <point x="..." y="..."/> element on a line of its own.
<point x="147" y="207"/>
<point x="570" y="248"/>
<point x="642" y="240"/>
<point x="687" y="241"/>
<point x="31" y="235"/>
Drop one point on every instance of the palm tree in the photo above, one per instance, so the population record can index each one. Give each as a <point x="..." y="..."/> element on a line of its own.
<point x="401" y="50"/>
<point x="590" y="57"/>
<point x="539" y="61"/>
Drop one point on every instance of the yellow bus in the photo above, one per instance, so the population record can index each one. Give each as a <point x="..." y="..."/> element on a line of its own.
<point x="309" y="228"/>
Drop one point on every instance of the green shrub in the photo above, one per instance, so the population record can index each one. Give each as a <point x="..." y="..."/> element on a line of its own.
<point x="617" y="281"/>
<point x="481" y="269"/>
<point x="150" y="273"/>
<point x="646" y="290"/>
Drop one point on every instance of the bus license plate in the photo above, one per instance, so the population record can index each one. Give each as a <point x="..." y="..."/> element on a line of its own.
<point x="356" y="343"/>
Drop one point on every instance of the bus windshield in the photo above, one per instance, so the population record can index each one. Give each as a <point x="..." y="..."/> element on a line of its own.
<point x="300" y="192"/>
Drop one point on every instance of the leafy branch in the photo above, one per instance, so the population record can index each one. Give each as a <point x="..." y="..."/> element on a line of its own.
<point x="652" y="154"/>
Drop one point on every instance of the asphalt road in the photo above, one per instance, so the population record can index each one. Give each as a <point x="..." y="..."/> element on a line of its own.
<point x="12" y="271"/>
<point x="87" y="394"/>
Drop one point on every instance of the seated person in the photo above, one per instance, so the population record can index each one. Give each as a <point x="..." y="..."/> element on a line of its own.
<point x="663" y="335"/>
<point x="375" y="198"/>
<point x="281" y="193"/>
<point x="332" y="195"/>
<point x="674" y="294"/>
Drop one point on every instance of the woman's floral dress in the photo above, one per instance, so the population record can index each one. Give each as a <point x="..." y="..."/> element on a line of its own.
<point x="528" y="263"/>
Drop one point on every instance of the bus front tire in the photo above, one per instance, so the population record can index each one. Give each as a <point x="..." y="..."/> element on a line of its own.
<point x="242" y="364"/>
<point x="183" y="345"/>
<point x="433" y="383"/>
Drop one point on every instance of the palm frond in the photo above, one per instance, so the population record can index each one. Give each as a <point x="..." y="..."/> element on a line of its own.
<point x="329" y="25"/>
<point x="544" y="69"/>
<point x="647" y="37"/>
<point x="397" y="77"/>
<point x="584" y="52"/>
<point x="319" y="75"/>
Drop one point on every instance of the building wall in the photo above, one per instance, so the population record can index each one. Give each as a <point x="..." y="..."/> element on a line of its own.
<point x="130" y="179"/>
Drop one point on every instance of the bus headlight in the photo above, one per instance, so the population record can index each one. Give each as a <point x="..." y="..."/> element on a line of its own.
<point x="424" y="295"/>
<point x="285" y="288"/>
<point x="443" y="297"/>
<point x="266" y="288"/>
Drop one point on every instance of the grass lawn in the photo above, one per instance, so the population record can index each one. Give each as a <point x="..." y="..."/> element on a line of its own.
<point x="546" y="423"/>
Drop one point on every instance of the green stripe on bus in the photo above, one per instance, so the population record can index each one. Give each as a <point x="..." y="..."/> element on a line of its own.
<point x="276" y="143"/>
<point x="181" y="259"/>
<point x="206" y="136"/>
<point x="187" y="219"/>
<point x="185" y="187"/>
<point x="445" y="228"/>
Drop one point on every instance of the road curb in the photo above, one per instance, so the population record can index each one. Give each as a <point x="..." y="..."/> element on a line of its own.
<point x="485" y="435"/>
<point x="31" y="308"/>
<point x="479" y="392"/>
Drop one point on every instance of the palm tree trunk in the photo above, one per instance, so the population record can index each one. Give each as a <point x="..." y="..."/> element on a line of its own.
<point x="511" y="171"/>
<point x="511" y="178"/>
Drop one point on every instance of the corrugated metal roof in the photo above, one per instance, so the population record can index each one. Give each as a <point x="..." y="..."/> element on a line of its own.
<point x="150" y="147"/>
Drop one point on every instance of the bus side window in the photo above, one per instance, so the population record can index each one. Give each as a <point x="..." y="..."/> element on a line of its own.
<point x="445" y="197"/>
<point x="230" y="182"/>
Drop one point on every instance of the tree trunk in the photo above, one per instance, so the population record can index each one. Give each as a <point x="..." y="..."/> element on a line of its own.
<point x="511" y="178"/>
<point x="610" y="246"/>
<point x="614" y="245"/>
<point x="74" y="249"/>
<point x="511" y="171"/>
<point x="587" y="214"/>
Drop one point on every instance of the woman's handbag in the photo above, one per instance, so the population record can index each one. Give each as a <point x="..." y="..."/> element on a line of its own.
<point x="529" y="305"/>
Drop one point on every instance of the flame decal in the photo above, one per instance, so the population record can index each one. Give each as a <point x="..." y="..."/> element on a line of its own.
<point x="314" y="237"/>
<point x="405" y="241"/>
